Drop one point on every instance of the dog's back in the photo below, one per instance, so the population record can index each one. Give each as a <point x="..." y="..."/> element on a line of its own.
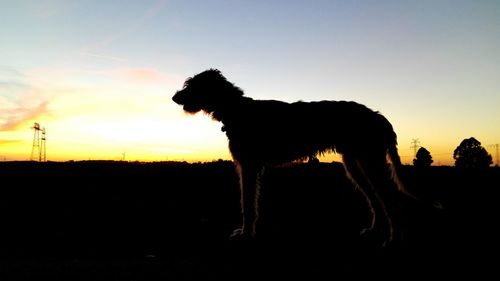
<point x="283" y="131"/>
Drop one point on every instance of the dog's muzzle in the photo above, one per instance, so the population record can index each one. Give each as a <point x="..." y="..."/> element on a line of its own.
<point x="177" y="98"/>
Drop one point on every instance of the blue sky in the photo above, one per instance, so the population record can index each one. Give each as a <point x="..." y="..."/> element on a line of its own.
<point x="432" y="67"/>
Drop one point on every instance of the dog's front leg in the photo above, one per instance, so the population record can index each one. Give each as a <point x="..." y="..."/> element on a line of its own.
<point x="249" y="192"/>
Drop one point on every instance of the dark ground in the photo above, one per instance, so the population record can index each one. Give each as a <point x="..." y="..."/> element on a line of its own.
<point x="171" y="221"/>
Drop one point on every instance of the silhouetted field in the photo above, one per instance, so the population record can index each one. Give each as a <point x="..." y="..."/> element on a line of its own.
<point x="171" y="221"/>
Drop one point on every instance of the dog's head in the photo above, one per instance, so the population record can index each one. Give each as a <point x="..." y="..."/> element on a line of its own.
<point x="207" y="91"/>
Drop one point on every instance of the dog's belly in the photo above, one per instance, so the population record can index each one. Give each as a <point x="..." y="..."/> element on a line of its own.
<point x="275" y="147"/>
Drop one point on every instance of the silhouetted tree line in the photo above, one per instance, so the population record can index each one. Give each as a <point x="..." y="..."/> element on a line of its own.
<point x="468" y="155"/>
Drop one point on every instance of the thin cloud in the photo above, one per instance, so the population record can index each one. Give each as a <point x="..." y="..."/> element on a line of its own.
<point x="11" y="80"/>
<point x="130" y="29"/>
<point x="6" y="71"/>
<point x="11" y="119"/>
<point x="12" y="86"/>
<point x="102" y="56"/>
<point x="140" y="75"/>
<point x="21" y="100"/>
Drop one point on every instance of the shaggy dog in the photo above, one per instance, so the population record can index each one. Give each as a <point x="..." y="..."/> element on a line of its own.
<point x="263" y="132"/>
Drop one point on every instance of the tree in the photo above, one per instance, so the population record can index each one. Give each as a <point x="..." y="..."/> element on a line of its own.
<point x="470" y="154"/>
<point x="423" y="158"/>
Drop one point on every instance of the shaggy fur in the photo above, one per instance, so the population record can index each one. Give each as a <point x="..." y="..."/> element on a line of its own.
<point x="263" y="132"/>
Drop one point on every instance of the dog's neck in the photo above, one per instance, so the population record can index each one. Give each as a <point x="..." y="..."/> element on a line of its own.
<point x="225" y="112"/>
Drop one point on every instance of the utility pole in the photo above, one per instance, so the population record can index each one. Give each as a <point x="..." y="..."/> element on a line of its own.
<point x="415" y="145"/>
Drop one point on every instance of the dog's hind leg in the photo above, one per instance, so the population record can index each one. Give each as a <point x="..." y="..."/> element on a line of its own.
<point x="376" y="170"/>
<point x="249" y="200"/>
<point x="355" y="174"/>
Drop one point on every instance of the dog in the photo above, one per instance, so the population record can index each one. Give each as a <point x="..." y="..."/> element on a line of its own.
<point x="269" y="132"/>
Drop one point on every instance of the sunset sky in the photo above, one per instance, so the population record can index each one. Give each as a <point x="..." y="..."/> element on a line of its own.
<point x="99" y="75"/>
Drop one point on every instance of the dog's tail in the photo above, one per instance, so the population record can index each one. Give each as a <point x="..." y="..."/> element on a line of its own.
<point x="392" y="154"/>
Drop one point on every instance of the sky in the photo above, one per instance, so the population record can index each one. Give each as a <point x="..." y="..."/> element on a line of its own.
<point x="99" y="75"/>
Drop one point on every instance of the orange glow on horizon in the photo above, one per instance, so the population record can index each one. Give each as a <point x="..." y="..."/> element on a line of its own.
<point x="133" y="141"/>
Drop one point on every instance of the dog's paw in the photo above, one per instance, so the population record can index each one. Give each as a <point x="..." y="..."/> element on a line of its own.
<point x="236" y="233"/>
<point x="241" y="234"/>
<point x="366" y="231"/>
<point x="375" y="237"/>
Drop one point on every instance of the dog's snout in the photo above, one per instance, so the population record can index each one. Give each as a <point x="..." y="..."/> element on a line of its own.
<point x="177" y="97"/>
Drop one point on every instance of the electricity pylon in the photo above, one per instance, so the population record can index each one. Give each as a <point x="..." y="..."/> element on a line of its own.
<point x="38" y="150"/>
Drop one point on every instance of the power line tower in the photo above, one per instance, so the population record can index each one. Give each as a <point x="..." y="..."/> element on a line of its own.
<point x="38" y="151"/>
<point x="43" y="157"/>
<point x="415" y="144"/>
